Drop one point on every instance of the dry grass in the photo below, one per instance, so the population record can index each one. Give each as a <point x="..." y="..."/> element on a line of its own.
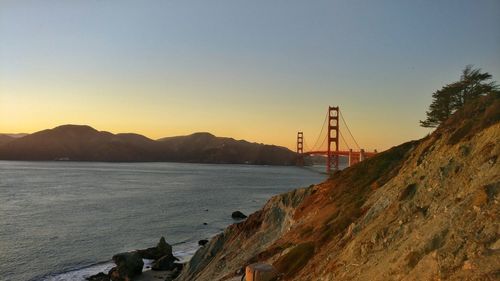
<point x="296" y="259"/>
<point x="473" y="118"/>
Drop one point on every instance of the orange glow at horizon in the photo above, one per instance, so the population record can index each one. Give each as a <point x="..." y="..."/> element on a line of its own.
<point x="170" y="115"/>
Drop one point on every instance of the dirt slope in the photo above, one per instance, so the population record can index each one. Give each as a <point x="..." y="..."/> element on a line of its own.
<point x="425" y="210"/>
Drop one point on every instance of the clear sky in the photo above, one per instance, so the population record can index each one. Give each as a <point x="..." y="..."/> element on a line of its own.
<point x="255" y="70"/>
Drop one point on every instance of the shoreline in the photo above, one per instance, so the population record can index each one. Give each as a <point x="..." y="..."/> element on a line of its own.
<point x="85" y="271"/>
<point x="157" y="262"/>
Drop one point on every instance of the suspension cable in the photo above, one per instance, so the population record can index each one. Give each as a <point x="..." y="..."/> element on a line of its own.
<point x="345" y="123"/>
<point x="321" y="145"/>
<point x="306" y="146"/>
<point x="342" y="137"/>
<point x="321" y="132"/>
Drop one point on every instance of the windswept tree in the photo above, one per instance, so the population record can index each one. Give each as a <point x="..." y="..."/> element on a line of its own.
<point x="472" y="84"/>
<point x="442" y="105"/>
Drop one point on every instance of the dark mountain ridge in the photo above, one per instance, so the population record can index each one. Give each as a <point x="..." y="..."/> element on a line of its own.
<point x="4" y="138"/>
<point x="84" y="143"/>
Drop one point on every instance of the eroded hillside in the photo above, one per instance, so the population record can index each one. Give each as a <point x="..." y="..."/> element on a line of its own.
<point x="425" y="210"/>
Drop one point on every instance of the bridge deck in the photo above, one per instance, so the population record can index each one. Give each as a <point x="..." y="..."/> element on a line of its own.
<point x="340" y="152"/>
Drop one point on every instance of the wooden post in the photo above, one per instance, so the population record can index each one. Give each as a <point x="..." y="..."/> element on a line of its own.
<point x="260" y="272"/>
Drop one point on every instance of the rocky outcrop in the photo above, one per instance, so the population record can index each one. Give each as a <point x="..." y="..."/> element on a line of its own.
<point x="128" y="265"/>
<point x="154" y="253"/>
<point x="424" y="210"/>
<point x="101" y="276"/>
<point x="260" y="230"/>
<point x="237" y="215"/>
<point x="164" y="263"/>
<point x="161" y="254"/>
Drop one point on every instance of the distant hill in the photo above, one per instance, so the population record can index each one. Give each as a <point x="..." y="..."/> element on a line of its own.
<point x="4" y="138"/>
<point x="207" y="148"/>
<point x="84" y="143"/>
<point x="18" y="135"/>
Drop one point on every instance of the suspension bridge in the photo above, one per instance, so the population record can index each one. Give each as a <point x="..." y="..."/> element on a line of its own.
<point x="328" y="143"/>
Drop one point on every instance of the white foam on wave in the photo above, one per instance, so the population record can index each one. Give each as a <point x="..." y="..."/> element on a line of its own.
<point x="184" y="252"/>
<point x="80" y="274"/>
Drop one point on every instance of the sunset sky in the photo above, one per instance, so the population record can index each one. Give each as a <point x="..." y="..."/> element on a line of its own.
<point x="255" y="70"/>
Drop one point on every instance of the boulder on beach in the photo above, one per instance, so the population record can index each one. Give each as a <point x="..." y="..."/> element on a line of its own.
<point x="101" y="276"/>
<point x="164" y="263"/>
<point x="238" y="215"/>
<point x="203" y="242"/>
<point x="128" y="265"/>
<point x="174" y="272"/>
<point x="162" y="249"/>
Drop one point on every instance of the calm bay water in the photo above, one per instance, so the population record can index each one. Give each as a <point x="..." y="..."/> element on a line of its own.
<point x="64" y="220"/>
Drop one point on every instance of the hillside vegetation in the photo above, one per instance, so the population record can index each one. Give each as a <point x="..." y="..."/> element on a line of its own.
<point x="424" y="210"/>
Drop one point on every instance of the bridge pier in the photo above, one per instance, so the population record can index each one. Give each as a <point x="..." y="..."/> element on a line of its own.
<point x="362" y="155"/>
<point x="350" y="158"/>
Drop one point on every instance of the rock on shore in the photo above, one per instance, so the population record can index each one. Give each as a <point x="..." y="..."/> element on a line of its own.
<point x="128" y="265"/>
<point x="101" y="276"/>
<point x="237" y="215"/>
<point x="154" y="253"/>
<point x="202" y="242"/>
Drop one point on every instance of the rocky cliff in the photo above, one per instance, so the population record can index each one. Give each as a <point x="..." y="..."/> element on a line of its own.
<point x="424" y="210"/>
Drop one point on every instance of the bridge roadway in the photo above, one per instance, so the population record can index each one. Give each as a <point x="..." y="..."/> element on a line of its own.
<point x="341" y="153"/>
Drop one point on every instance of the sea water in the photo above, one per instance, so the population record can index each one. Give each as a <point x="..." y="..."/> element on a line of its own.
<point x="65" y="220"/>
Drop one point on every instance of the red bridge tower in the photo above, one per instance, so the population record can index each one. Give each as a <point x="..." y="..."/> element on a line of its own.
<point x="333" y="138"/>
<point x="300" y="148"/>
